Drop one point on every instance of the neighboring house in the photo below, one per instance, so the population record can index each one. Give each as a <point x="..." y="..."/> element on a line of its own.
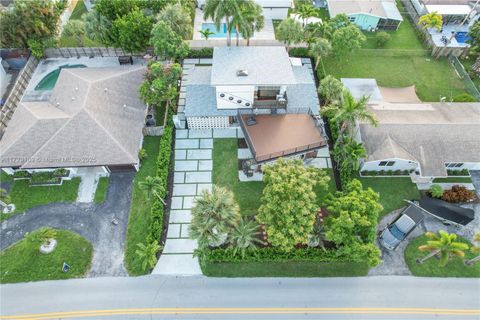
<point x="272" y="9"/>
<point x="271" y="96"/>
<point x="93" y="118"/>
<point x="424" y="139"/>
<point x="371" y="15"/>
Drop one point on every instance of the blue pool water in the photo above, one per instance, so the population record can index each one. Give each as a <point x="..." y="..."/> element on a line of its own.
<point x="462" y="37"/>
<point x="222" y="33"/>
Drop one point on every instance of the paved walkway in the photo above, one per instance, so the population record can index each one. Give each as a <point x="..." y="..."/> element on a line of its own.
<point x="91" y="221"/>
<point x="193" y="173"/>
<point x="88" y="184"/>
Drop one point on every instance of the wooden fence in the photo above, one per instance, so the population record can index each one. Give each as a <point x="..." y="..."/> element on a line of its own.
<point x="13" y="99"/>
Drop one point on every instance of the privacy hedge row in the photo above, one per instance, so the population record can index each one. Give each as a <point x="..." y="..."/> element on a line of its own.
<point x="163" y="165"/>
<point x="200" y="53"/>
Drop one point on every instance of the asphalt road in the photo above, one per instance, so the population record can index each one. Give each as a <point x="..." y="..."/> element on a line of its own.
<point x="158" y="297"/>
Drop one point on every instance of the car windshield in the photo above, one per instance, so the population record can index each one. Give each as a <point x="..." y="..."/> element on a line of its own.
<point x="397" y="233"/>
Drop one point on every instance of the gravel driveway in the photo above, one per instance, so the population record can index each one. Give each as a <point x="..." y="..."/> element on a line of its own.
<point x="91" y="221"/>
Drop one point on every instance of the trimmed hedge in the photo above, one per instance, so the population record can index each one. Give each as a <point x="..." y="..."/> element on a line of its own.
<point x="163" y="166"/>
<point x="200" y="53"/>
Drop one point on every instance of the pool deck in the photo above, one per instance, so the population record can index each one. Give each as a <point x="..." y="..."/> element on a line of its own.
<point x="447" y="32"/>
<point x="48" y="65"/>
<point x="267" y="33"/>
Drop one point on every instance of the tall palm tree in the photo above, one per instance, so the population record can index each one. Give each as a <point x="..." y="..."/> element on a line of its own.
<point x="320" y="49"/>
<point x="306" y="11"/>
<point x="444" y="245"/>
<point x="331" y="91"/>
<point x="474" y="249"/>
<point x="245" y="235"/>
<point x="223" y="10"/>
<point x="152" y="186"/>
<point x="349" y="151"/>
<point x="253" y="20"/>
<point x="214" y="216"/>
<point x="349" y="111"/>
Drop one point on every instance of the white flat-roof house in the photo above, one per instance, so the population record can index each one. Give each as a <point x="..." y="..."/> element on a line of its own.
<point x="271" y="96"/>
<point x="272" y="9"/>
<point x="368" y="15"/>
<point x="424" y="139"/>
<point x="93" y="118"/>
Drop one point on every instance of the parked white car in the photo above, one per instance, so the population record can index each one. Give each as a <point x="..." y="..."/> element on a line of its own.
<point x="401" y="227"/>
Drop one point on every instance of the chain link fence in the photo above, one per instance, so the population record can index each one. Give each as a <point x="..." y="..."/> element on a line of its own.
<point x="463" y="74"/>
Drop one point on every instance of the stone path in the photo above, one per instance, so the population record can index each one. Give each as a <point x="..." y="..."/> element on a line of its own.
<point x="192" y="174"/>
<point x="91" y="221"/>
<point x="88" y="184"/>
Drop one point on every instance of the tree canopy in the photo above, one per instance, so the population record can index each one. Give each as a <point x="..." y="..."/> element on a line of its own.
<point x="166" y="43"/>
<point x="178" y="20"/>
<point x="133" y="30"/>
<point x="290" y="32"/>
<point x="346" y="40"/>
<point x="289" y="203"/>
<point x="160" y="83"/>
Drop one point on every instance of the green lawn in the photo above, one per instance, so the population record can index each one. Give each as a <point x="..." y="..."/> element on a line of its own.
<point x="430" y="268"/>
<point x="25" y="197"/>
<point x="247" y="194"/>
<point x="467" y="64"/>
<point x="403" y="38"/>
<point x="23" y="261"/>
<point x="453" y="180"/>
<point x="392" y="191"/>
<point x="71" y="42"/>
<point x="139" y="220"/>
<point x="79" y="10"/>
<point x="284" y="269"/>
<point x="433" y="78"/>
<point x="102" y="188"/>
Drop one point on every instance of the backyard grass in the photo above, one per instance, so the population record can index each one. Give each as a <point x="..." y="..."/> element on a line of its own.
<point x="392" y="191"/>
<point x="247" y="194"/>
<point x="71" y="42"/>
<point x="23" y="261"/>
<point x="467" y="64"/>
<point x="430" y="268"/>
<point x="78" y="11"/>
<point x="102" y="188"/>
<point x="433" y="78"/>
<point x="284" y="269"/>
<point x="139" y="219"/>
<point x="25" y="197"/>
<point x="453" y="180"/>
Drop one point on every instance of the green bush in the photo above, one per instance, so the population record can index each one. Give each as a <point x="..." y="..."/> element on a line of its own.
<point x="43" y="178"/>
<point x="61" y="172"/>
<point x="299" y="52"/>
<point x="381" y="38"/>
<point x="22" y="174"/>
<point x="463" y="172"/>
<point x="464" y="97"/>
<point x="436" y="191"/>
<point x="200" y="53"/>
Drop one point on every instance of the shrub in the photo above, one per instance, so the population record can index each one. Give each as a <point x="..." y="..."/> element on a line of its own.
<point x="436" y="191"/>
<point x="61" y="172"/>
<point x="381" y="38"/>
<point x="464" y="97"/>
<point x="22" y="174"/>
<point x="142" y="154"/>
<point x="458" y="194"/>
<point x="299" y="52"/>
<point x="200" y="53"/>
<point x="43" y="178"/>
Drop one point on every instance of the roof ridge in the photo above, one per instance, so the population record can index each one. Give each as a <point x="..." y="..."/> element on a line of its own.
<point x="394" y="143"/>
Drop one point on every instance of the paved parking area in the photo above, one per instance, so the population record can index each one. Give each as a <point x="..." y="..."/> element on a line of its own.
<point x="192" y="174"/>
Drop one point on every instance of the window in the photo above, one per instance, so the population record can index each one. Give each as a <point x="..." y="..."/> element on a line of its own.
<point x="454" y="165"/>
<point x="386" y="163"/>
<point x="351" y="19"/>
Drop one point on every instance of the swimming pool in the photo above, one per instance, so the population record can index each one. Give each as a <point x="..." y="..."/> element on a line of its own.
<point x="222" y="33"/>
<point x="462" y="37"/>
<point x="48" y="82"/>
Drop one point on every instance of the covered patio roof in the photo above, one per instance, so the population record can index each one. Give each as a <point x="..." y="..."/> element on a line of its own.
<point x="274" y="136"/>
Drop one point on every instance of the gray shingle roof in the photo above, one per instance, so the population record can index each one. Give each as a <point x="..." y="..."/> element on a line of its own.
<point x="431" y="134"/>
<point x="265" y="66"/>
<point x="94" y="117"/>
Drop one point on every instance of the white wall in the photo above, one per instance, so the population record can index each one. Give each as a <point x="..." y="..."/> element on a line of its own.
<point x="207" y="122"/>
<point x="468" y="165"/>
<point x="275" y="13"/>
<point x="400" y="164"/>
<point x="245" y="93"/>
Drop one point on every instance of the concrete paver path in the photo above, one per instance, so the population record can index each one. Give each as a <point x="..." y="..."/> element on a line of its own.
<point x="91" y="221"/>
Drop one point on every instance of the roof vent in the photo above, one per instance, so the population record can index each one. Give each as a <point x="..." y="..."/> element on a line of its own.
<point x="242" y="73"/>
<point x="124" y="105"/>
<point x="106" y="89"/>
<point x="73" y="98"/>
<point x="57" y="104"/>
<point x="76" y="88"/>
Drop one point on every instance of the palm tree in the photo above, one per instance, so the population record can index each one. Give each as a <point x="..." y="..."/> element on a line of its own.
<point x="245" y="235"/>
<point x="443" y="245"/>
<point x="331" y="90"/>
<point x="474" y="249"/>
<point x="306" y="11"/>
<point x="290" y="32"/>
<point x="206" y="33"/>
<point x="431" y="20"/>
<point x="320" y="49"/>
<point x="219" y="10"/>
<point x="349" y="111"/>
<point x="152" y="186"/>
<point x="76" y="29"/>
<point x="349" y="152"/>
<point x="253" y="20"/>
<point x="178" y="19"/>
<point x="147" y="254"/>
<point x="214" y="216"/>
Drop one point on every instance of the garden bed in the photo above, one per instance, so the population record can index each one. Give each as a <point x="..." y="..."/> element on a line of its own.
<point x="431" y="268"/>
